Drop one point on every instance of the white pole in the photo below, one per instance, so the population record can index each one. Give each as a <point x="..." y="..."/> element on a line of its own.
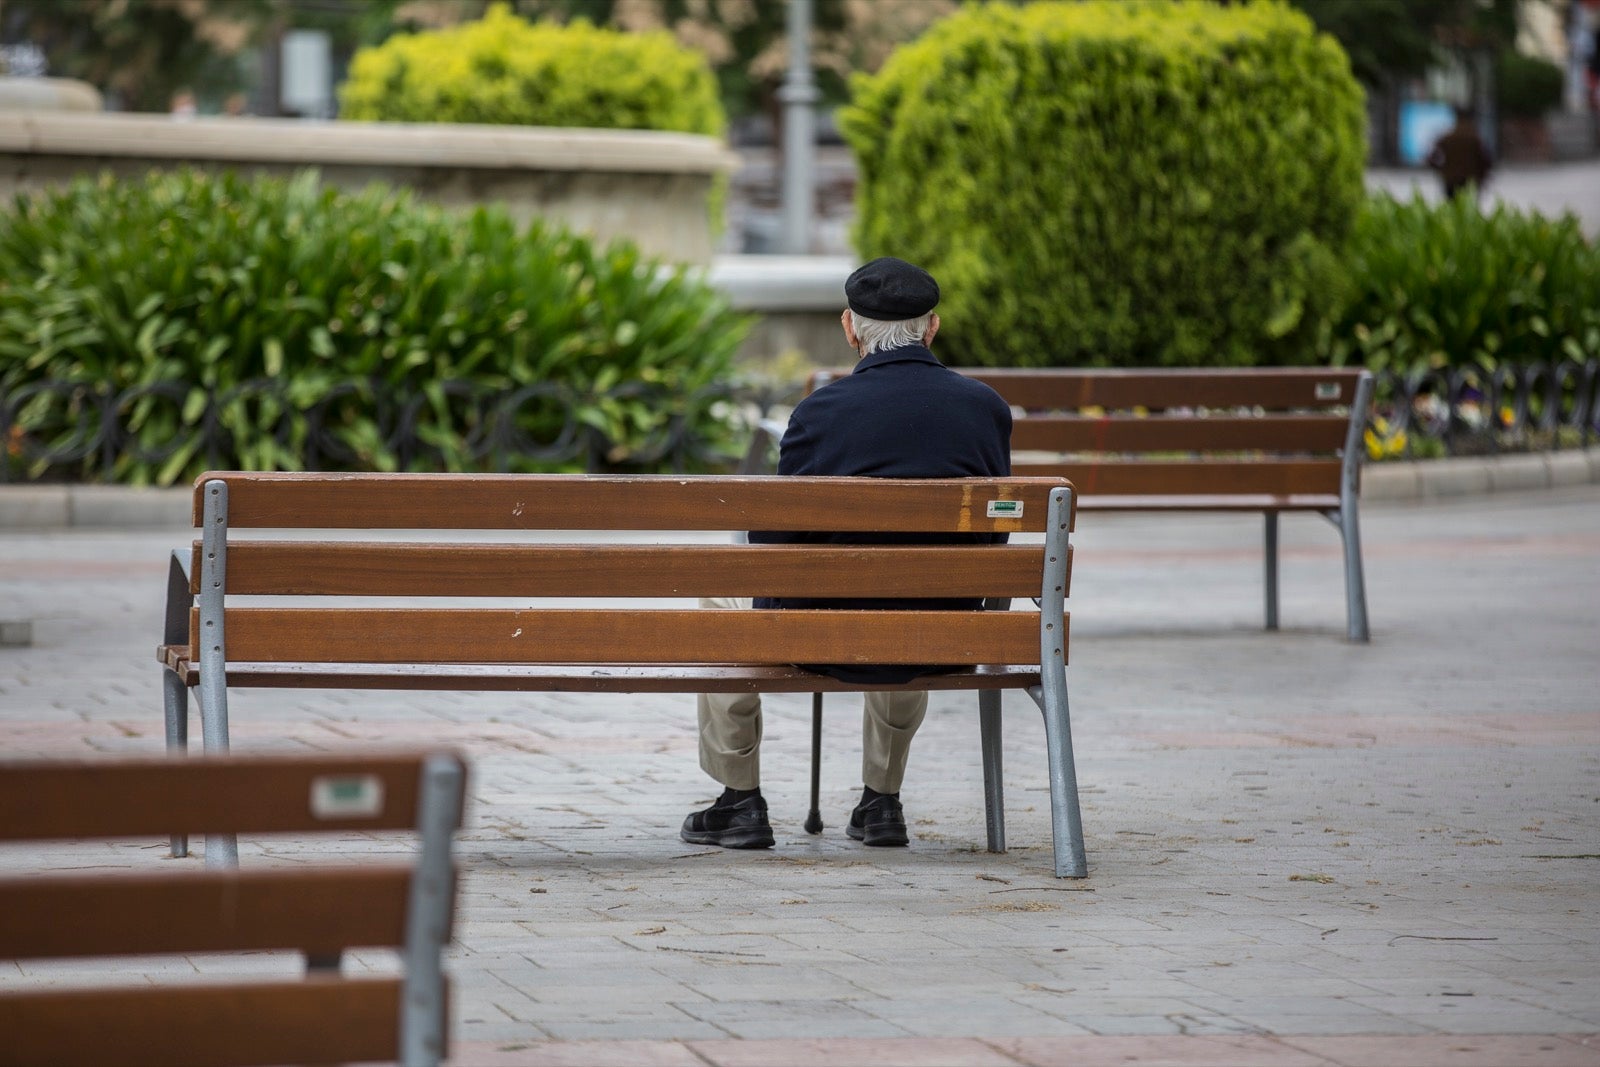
<point x="799" y="96"/>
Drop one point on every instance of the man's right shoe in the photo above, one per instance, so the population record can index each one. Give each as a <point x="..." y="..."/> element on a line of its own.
<point x="879" y="822"/>
<point x="740" y="824"/>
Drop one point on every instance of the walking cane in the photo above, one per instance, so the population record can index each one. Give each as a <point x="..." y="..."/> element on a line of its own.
<point x="814" y="820"/>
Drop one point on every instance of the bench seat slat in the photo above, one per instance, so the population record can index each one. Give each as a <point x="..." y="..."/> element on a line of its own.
<point x="563" y="502"/>
<point x="579" y="635"/>
<point x="1130" y="433"/>
<point x="1267" y="477"/>
<point x="348" y="568"/>
<point x="320" y="911"/>
<point x="577" y="678"/>
<point x="317" y="1020"/>
<point x="158" y="797"/>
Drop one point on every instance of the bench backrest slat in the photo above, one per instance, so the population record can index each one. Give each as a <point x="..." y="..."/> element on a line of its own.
<point x="695" y="636"/>
<point x="257" y="1023"/>
<point x="316" y="911"/>
<point x="1276" y="388"/>
<point x="567" y="502"/>
<point x="1238" y="477"/>
<point x="158" y="797"/>
<point x="1132" y="433"/>
<point x="334" y="568"/>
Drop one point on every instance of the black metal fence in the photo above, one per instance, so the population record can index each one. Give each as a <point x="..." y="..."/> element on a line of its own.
<point x="86" y="431"/>
<point x="1470" y="410"/>
<point x="55" y="430"/>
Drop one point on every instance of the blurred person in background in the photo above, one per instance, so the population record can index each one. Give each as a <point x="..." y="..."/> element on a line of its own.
<point x="1460" y="157"/>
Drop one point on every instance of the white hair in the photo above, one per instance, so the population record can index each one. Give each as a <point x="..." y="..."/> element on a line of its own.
<point x="875" y="335"/>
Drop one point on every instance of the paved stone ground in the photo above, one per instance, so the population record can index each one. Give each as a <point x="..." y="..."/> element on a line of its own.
<point x="1302" y="851"/>
<point x="1549" y="188"/>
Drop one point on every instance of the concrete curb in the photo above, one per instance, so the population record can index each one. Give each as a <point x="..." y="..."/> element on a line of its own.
<point x="46" y="507"/>
<point x="1472" y="475"/>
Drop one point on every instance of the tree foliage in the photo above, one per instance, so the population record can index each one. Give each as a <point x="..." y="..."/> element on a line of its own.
<point x="501" y="69"/>
<point x="1161" y="182"/>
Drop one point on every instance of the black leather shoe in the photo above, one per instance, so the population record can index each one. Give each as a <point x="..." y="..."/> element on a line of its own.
<point x="742" y="824"/>
<point x="879" y="822"/>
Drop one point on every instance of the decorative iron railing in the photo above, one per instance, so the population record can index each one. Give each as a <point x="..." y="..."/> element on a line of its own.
<point x="54" y="430"/>
<point x="1470" y="410"/>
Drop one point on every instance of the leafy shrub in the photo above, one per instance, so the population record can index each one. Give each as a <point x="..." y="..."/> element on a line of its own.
<point x="1528" y="87"/>
<point x="216" y="282"/>
<point x="1161" y="182"/>
<point x="1448" y="285"/>
<point x="503" y="70"/>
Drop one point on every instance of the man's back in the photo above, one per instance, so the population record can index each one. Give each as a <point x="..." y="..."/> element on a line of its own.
<point x="901" y="414"/>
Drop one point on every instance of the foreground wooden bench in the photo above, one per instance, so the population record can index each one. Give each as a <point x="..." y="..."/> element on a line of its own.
<point x="1266" y="439"/>
<point x="166" y="909"/>
<point x="212" y="645"/>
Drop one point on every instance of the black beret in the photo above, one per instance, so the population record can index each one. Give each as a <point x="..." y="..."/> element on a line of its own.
<point x="891" y="290"/>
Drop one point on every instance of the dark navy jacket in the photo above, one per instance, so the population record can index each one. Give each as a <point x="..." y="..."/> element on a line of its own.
<point x="901" y="414"/>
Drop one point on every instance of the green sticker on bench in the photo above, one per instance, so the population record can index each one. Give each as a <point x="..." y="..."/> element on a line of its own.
<point x="1005" y="509"/>
<point x="1327" y="390"/>
<point x="355" y="796"/>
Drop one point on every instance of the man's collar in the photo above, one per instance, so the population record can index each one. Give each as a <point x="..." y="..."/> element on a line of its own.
<point x="912" y="353"/>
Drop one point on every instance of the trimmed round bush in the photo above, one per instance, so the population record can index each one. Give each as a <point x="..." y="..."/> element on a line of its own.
<point x="1135" y="182"/>
<point x="215" y="284"/>
<point x="503" y="70"/>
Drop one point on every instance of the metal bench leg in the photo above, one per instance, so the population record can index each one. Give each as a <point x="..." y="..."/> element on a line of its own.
<point x="175" y="697"/>
<point x="994" y="810"/>
<point x="1355" y="581"/>
<point x="222" y="850"/>
<point x="1348" y="517"/>
<point x="1066" y="822"/>
<point x="1272" y="569"/>
<point x="422" y="1017"/>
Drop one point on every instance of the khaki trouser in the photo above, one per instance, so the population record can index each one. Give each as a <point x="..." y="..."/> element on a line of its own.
<point x="730" y="731"/>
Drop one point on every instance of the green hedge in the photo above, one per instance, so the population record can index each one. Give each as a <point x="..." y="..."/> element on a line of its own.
<point x="1115" y="183"/>
<point x="1528" y="87"/>
<point x="503" y="70"/>
<point x="217" y="281"/>
<point x="1434" y="285"/>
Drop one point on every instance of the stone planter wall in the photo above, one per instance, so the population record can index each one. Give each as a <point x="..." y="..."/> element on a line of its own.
<point x="648" y="186"/>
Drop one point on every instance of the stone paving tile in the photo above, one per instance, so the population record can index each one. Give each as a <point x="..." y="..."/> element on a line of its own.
<point x="844" y="1052"/>
<point x="1212" y="1050"/>
<point x="1475" y="1051"/>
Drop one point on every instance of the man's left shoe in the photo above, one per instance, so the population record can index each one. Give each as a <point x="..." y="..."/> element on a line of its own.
<point x="879" y="822"/>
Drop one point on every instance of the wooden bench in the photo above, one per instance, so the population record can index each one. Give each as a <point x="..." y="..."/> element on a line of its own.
<point x="211" y="645"/>
<point x="321" y="911"/>
<point x="1266" y="439"/>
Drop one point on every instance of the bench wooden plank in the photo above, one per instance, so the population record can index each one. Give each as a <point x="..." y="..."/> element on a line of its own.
<point x="1271" y="477"/>
<point x="317" y="1020"/>
<point x="346" y="568"/>
<point x="157" y="797"/>
<point x="578" y="635"/>
<point x="1271" y="388"/>
<point x="1252" y="503"/>
<point x="566" y="502"/>
<point x="317" y="911"/>
<point x="578" y="678"/>
<point x="1130" y="433"/>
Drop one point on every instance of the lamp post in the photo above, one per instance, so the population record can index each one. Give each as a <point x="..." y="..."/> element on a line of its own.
<point x="799" y="95"/>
